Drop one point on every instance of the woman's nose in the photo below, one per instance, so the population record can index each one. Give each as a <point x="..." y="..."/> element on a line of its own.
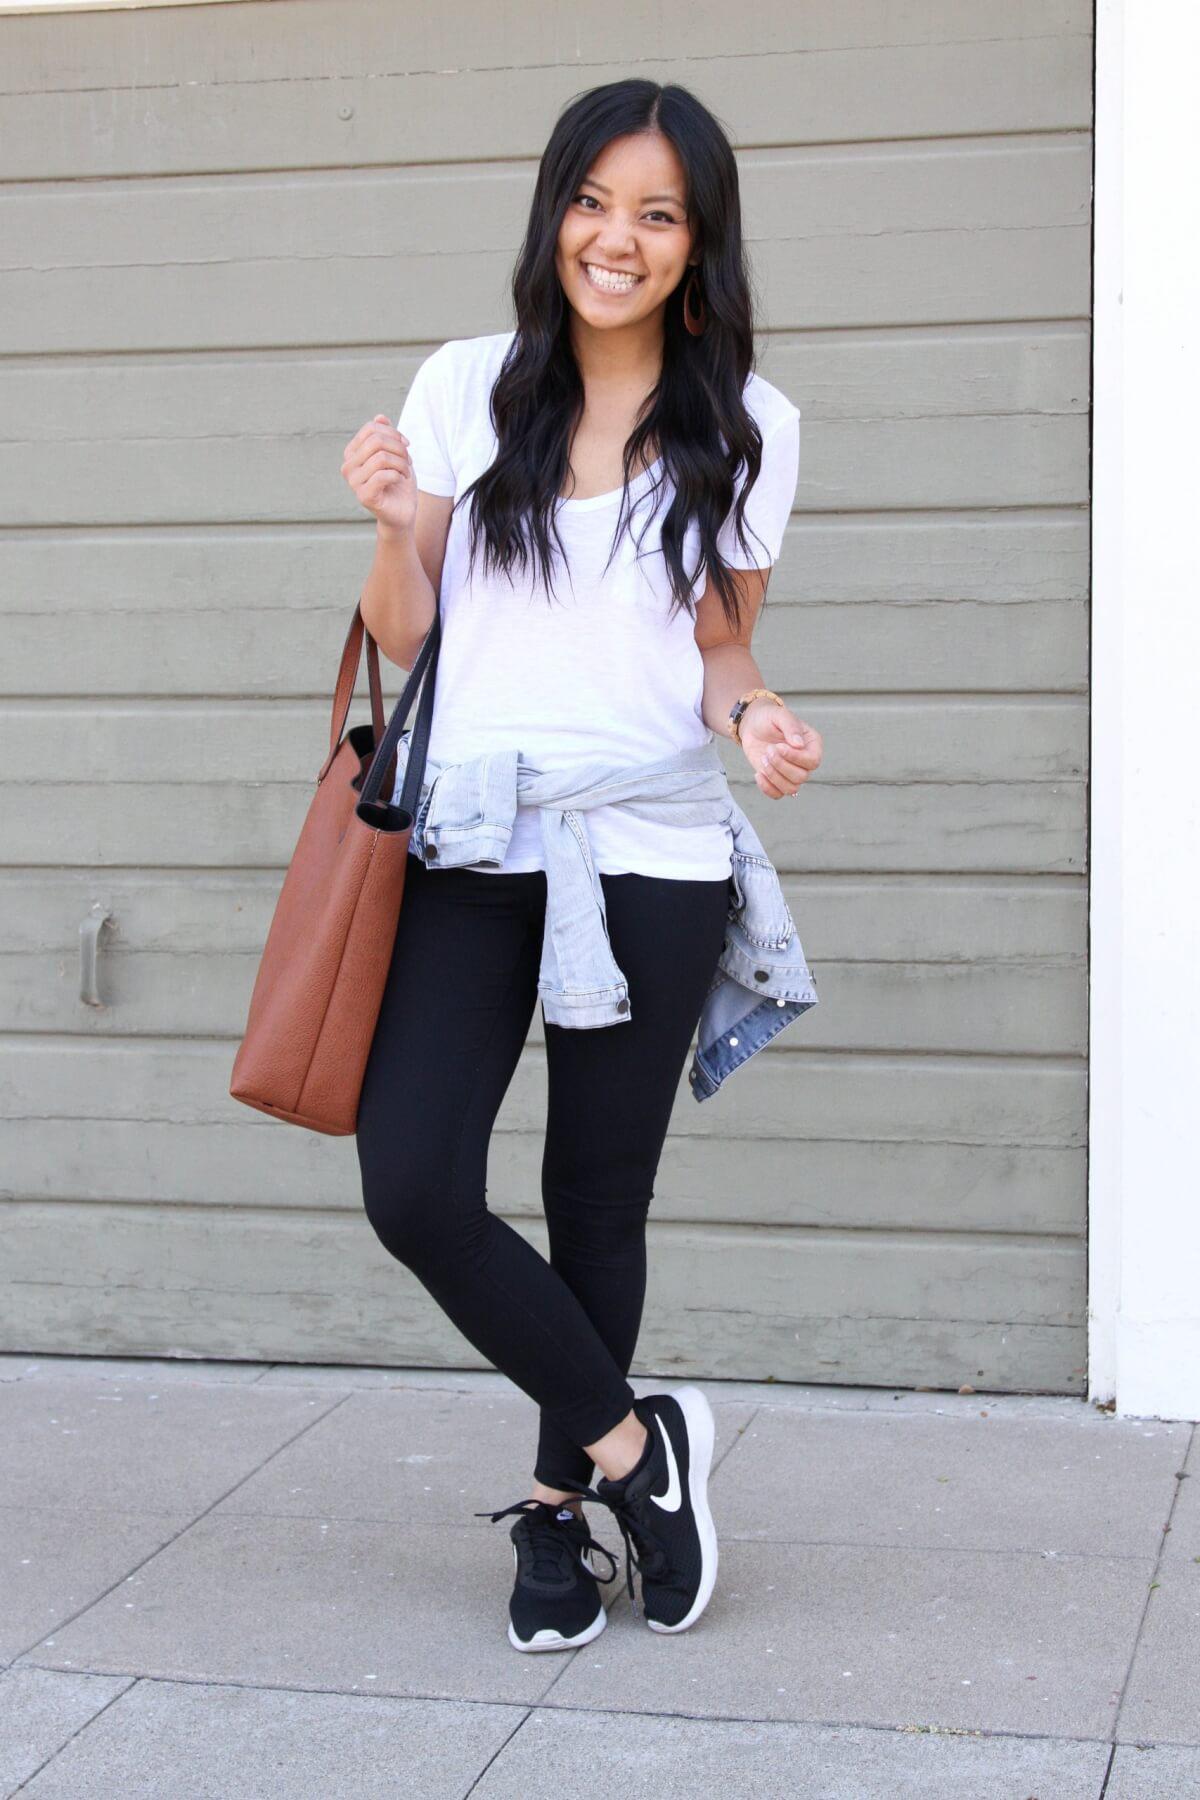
<point x="616" y="246"/>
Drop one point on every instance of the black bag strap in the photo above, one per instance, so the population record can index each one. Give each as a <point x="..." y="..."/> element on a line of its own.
<point x="373" y="808"/>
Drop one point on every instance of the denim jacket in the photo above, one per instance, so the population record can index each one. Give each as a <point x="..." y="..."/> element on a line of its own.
<point x="762" y="982"/>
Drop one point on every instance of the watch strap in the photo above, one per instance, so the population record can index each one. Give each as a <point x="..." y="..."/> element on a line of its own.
<point x="741" y="703"/>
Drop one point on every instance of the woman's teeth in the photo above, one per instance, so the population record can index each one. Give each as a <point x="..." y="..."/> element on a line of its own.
<point x="607" y="282"/>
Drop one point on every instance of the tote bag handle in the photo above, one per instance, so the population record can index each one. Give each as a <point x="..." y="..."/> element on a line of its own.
<point x="373" y="808"/>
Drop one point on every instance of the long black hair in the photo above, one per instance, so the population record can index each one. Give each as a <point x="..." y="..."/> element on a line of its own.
<point x="537" y="397"/>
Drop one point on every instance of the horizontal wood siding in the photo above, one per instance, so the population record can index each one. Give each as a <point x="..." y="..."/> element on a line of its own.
<point x="213" y="267"/>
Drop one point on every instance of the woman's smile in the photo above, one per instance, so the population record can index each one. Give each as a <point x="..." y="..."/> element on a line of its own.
<point x="609" y="281"/>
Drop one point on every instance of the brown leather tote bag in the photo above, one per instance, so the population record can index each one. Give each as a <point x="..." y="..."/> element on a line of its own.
<point x="320" y="982"/>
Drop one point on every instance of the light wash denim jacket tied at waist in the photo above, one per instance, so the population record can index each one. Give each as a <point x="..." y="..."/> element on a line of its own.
<point x="762" y="982"/>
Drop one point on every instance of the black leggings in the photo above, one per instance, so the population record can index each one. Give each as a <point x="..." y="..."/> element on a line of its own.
<point x="458" y="1003"/>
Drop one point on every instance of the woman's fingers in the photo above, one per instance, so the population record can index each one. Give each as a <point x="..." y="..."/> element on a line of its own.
<point x="376" y="433"/>
<point x="787" y="767"/>
<point x="385" y="462"/>
<point x="385" y="459"/>
<point x="771" y="783"/>
<point x="378" y="470"/>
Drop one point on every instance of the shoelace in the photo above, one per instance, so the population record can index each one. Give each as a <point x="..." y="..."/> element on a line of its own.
<point x="545" y="1538"/>
<point x="651" y="1557"/>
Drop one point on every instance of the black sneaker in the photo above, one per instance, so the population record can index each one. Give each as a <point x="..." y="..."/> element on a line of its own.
<point x="662" y="1505"/>
<point x="556" y="1600"/>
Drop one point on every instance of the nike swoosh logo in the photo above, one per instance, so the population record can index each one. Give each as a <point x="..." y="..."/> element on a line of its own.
<point x="671" y="1500"/>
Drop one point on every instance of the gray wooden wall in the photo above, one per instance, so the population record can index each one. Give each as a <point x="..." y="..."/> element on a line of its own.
<point x="228" y="236"/>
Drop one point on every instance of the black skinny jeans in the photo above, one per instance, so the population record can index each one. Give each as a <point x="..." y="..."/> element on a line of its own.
<point x="458" y="1003"/>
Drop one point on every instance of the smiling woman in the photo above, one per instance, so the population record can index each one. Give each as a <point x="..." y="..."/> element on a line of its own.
<point x="587" y="506"/>
<point x="633" y="243"/>
<point x="597" y="240"/>
<point x="610" y="668"/>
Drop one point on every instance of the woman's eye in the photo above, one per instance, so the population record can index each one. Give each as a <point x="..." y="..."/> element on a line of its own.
<point x="665" y="217"/>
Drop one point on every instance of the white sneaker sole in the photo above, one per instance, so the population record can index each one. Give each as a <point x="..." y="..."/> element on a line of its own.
<point x="547" y="1639"/>
<point x="698" y="1416"/>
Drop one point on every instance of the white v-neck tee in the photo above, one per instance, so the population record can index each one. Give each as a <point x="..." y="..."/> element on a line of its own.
<point x="597" y="669"/>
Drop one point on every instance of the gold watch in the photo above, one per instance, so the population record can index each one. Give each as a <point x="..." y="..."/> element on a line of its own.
<point x="739" y="706"/>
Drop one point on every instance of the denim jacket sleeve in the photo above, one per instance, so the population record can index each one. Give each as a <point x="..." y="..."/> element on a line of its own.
<point x="761" y="983"/>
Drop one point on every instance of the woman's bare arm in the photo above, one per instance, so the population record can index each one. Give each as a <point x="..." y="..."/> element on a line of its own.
<point x="399" y="597"/>
<point x="400" y="592"/>
<point x="729" y="666"/>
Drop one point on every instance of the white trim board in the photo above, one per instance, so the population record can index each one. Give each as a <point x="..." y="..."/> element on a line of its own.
<point x="66" y="6"/>
<point x="1144" y="1096"/>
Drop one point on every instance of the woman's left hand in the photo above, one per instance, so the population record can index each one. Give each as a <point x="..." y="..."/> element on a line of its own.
<point x="781" y="749"/>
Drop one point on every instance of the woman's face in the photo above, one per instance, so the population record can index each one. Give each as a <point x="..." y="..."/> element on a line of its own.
<point x="624" y="242"/>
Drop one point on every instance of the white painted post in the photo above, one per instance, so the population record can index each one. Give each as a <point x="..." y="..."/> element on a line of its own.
<point x="1144" y="1232"/>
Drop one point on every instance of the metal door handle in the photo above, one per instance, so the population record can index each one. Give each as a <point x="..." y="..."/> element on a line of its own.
<point x="89" y="954"/>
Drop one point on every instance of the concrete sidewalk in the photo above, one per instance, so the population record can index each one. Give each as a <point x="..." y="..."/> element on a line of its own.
<point x="236" y="1580"/>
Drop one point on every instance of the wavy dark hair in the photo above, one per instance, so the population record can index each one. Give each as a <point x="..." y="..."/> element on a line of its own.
<point x="695" y="416"/>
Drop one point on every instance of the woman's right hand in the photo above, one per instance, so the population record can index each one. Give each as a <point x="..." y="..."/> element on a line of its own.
<point x="377" y="466"/>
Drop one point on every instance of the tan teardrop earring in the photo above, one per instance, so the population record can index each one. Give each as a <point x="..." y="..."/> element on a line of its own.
<point x="695" y="314"/>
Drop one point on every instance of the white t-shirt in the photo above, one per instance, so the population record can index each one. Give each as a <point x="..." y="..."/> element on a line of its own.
<point x="596" y="669"/>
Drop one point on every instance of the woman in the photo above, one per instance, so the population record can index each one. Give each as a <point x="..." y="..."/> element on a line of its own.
<point x="507" y="497"/>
